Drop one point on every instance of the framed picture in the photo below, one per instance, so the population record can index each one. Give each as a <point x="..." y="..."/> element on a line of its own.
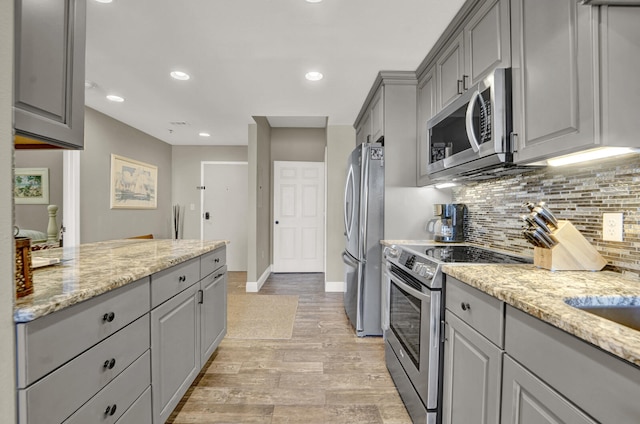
<point x="134" y="184"/>
<point x="31" y="186"/>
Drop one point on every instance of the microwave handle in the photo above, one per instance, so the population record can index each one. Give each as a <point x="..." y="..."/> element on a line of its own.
<point x="469" y="120"/>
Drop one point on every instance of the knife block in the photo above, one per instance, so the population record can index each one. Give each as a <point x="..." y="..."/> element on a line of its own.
<point x="572" y="253"/>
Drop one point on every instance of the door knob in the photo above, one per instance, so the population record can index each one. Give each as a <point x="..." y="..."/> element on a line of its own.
<point x="277" y="222"/>
<point x="206" y="215"/>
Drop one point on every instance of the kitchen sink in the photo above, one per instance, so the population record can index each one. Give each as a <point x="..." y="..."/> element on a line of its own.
<point x="624" y="310"/>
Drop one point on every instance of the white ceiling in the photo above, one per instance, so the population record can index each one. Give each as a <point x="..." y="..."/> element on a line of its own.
<point x="248" y="58"/>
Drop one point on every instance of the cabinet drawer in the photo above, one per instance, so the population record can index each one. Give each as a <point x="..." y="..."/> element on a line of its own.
<point x="59" y="394"/>
<point x="140" y="411"/>
<point x="48" y="342"/>
<point x="112" y="401"/>
<point x="481" y="311"/>
<point x="212" y="261"/>
<point x="168" y="283"/>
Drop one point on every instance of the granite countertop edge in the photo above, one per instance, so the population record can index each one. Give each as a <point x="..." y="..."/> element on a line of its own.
<point x="542" y="293"/>
<point x="93" y="269"/>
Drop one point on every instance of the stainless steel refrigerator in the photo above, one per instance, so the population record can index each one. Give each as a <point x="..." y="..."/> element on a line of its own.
<point x="364" y="227"/>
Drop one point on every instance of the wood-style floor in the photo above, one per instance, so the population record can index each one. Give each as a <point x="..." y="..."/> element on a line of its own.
<point x="323" y="374"/>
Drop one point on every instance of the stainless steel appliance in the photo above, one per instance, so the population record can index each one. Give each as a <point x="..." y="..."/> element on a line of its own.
<point x="472" y="136"/>
<point x="452" y="222"/>
<point x="413" y="319"/>
<point x="363" y="219"/>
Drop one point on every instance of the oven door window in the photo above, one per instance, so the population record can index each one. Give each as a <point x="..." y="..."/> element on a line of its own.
<point x="404" y="319"/>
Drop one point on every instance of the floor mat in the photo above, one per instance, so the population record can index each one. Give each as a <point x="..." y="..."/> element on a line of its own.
<point x="260" y="316"/>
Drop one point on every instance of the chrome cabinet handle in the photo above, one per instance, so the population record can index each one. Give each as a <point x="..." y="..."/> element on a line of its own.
<point x="460" y="86"/>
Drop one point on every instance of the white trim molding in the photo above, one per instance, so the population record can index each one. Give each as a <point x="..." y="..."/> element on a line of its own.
<point x="334" y="286"/>
<point x="255" y="286"/>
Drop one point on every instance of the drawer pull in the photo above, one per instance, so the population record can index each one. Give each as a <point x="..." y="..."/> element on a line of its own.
<point x="216" y="260"/>
<point x="108" y="317"/>
<point x="110" y="410"/>
<point x="182" y="278"/>
<point x="109" y="364"/>
<point x="465" y="306"/>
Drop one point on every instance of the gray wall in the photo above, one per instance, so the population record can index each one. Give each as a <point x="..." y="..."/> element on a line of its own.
<point x="341" y="140"/>
<point x="186" y="169"/>
<point x="259" y="155"/>
<point x="7" y="261"/>
<point x="579" y="193"/>
<point x="298" y="144"/>
<point x="36" y="217"/>
<point x="104" y="136"/>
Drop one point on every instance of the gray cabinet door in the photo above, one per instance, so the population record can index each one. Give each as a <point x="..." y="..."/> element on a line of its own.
<point x="449" y="72"/>
<point x="487" y="40"/>
<point x="620" y="83"/>
<point x="377" y="115"/>
<point x="175" y="350"/>
<point x="363" y="132"/>
<point x="553" y="77"/>
<point x="213" y="312"/>
<point x="528" y="400"/>
<point x="472" y="375"/>
<point x="426" y="110"/>
<point x="49" y="71"/>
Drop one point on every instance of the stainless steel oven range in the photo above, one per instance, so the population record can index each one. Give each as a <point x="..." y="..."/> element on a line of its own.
<point x="412" y="319"/>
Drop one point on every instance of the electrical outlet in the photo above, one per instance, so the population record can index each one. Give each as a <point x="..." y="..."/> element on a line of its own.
<point x="612" y="226"/>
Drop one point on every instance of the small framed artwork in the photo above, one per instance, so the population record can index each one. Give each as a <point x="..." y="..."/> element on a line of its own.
<point x="134" y="184"/>
<point x="31" y="186"/>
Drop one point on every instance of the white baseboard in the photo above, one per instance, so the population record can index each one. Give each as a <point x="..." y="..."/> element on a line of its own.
<point x="334" y="286"/>
<point x="255" y="286"/>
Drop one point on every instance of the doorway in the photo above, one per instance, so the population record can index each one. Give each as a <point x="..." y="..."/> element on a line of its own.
<point x="298" y="216"/>
<point x="224" y="203"/>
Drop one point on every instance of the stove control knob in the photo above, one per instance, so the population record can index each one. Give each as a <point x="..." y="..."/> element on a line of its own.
<point x="391" y="252"/>
<point x="429" y="272"/>
<point x="418" y="268"/>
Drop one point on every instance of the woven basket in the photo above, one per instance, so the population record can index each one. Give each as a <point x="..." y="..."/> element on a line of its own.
<point x="24" y="272"/>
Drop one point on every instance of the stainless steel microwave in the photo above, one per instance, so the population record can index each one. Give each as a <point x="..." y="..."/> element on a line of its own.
<point x="472" y="135"/>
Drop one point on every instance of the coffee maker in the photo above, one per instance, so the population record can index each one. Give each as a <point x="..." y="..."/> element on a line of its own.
<point x="451" y="220"/>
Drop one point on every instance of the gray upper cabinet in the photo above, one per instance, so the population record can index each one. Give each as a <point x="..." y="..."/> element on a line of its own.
<point x="487" y="40"/>
<point x="620" y="97"/>
<point x="363" y="130"/>
<point x="377" y="115"/>
<point x="553" y="78"/>
<point x="49" y="73"/>
<point x="450" y="72"/>
<point x="426" y="110"/>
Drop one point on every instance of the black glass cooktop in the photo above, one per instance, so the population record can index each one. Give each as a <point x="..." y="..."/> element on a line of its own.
<point x="468" y="254"/>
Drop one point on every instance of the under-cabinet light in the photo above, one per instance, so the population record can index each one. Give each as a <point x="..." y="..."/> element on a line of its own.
<point x="599" y="153"/>
<point x="204" y="134"/>
<point x="115" y="98"/>
<point x="446" y="185"/>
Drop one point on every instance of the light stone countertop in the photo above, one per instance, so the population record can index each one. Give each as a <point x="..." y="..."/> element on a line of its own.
<point x="541" y="293"/>
<point x="91" y="269"/>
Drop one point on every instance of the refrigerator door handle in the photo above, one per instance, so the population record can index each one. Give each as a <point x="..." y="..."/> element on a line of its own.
<point x="348" y="223"/>
<point x="364" y="203"/>
<point x="349" y="260"/>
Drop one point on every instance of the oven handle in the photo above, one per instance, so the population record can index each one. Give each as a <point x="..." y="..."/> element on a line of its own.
<point x="413" y="292"/>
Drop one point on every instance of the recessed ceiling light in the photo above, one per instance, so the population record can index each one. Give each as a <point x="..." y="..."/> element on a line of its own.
<point x="204" y="134"/>
<point x="314" y="1"/>
<point x="115" y="98"/>
<point x="179" y="75"/>
<point x="104" y="1"/>
<point x="313" y="76"/>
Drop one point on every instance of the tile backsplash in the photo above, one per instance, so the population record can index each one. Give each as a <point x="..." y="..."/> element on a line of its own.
<point x="579" y="193"/>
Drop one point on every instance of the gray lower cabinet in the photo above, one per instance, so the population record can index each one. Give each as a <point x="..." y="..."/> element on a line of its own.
<point x="472" y="355"/>
<point x="528" y="400"/>
<point x="175" y="350"/>
<point x="213" y="312"/>
<point x="472" y="370"/>
<point x="74" y="363"/>
<point x="138" y="413"/>
<point x="187" y="325"/>
<point x="49" y="72"/>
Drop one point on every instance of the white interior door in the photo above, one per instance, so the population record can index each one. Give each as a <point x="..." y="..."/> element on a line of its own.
<point x="298" y="213"/>
<point x="224" y="208"/>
